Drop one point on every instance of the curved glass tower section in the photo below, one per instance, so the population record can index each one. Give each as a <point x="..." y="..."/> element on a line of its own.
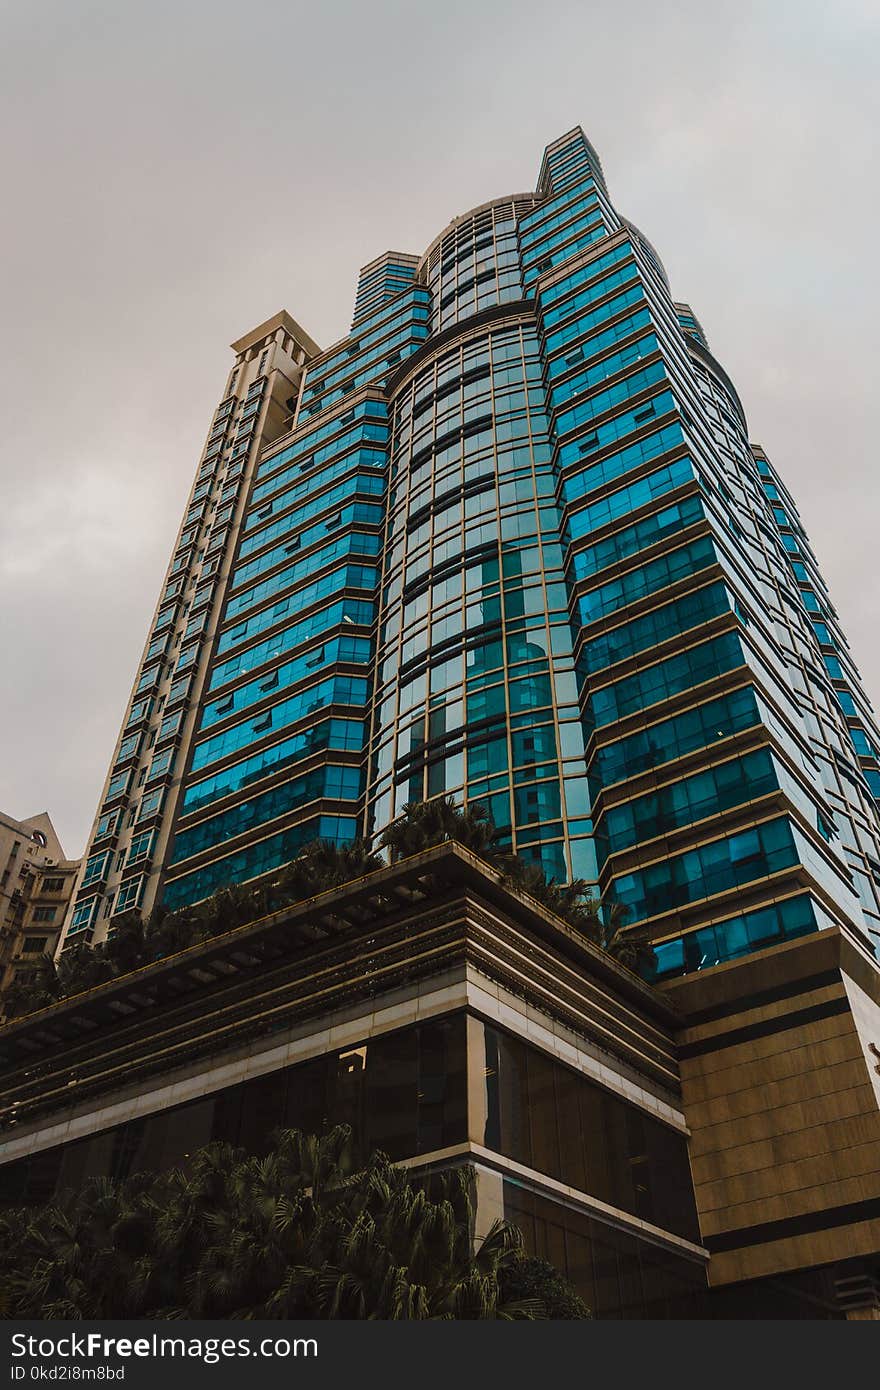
<point x="513" y="543"/>
<point x="475" y="692"/>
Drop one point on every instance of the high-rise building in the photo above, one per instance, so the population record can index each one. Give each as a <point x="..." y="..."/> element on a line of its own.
<point x="36" y="884"/>
<point x="506" y="540"/>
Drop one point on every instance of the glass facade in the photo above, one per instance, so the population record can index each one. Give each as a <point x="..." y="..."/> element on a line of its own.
<point x="507" y="540"/>
<point x="403" y="1092"/>
<point x="429" y="1088"/>
<point x="475" y="688"/>
<point x="550" y="1118"/>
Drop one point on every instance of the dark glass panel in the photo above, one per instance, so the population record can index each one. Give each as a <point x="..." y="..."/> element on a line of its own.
<point x="187" y="1129"/>
<point x="74" y="1158"/>
<point x="41" y="1172"/>
<point x="392" y="1088"/>
<point x="572" y="1146"/>
<point x="616" y="1272"/>
<point x="262" y="1110"/>
<point x="671" y="1182"/>
<point x="513" y="1097"/>
<point x="345" y="1102"/>
<point x="542" y="1112"/>
<point x="442" y="1095"/>
<point x="550" y="1118"/>
<point x="596" y="1156"/>
<point x="227" y="1116"/>
<point x="99" y="1159"/>
<point x="307" y="1104"/>
<point x="630" y="1275"/>
<point x="607" y="1282"/>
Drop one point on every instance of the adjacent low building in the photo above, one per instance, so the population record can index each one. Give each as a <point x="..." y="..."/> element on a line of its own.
<point x="36" y="887"/>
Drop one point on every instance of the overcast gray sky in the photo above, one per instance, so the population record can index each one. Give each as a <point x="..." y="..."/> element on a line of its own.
<point x="176" y="172"/>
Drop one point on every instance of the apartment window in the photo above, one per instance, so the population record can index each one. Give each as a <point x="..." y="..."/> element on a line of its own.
<point x="140" y="847"/>
<point x="107" y="824"/>
<point x="44" y="914"/>
<point x="149" y="678"/>
<point x="826" y="827"/>
<point x="128" y="747"/>
<point x="179" y="689"/>
<point x="118" y="785"/>
<point x="95" y="867"/>
<point x="151" y="803"/>
<point x="162" y="763"/>
<point x="129" y="895"/>
<point x="187" y="657"/>
<point x="202" y="594"/>
<point x="171" y="725"/>
<point x="33" y="945"/>
<point x="52" y="885"/>
<point x="139" y="710"/>
<point x="83" y="914"/>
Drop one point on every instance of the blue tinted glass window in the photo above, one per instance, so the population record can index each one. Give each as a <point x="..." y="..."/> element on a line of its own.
<point x="333" y="782"/>
<point x="666" y="678"/>
<point x="636" y="583"/>
<point x="342" y="690"/>
<point x="257" y="859"/>
<point x="627" y="499"/>
<point x="655" y="627"/>
<point x="658" y="744"/>
<point x="738" y="936"/>
<point x="712" y="868"/>
<point x="693" y="799"/>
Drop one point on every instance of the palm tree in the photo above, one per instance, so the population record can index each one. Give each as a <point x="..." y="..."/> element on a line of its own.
<point x="535" y="1279"/>
<point x="389" y="1251"/>
<point x="31" y="990"/>
<point x="601" y="920"/>
<point x="299" y="1232"/>
<point x="319" y="866"/>
<point x="136" y="943"/>
<point x="572" y="901"/>
<point x="423" y="824"/>
<point x="630" y="946"/>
